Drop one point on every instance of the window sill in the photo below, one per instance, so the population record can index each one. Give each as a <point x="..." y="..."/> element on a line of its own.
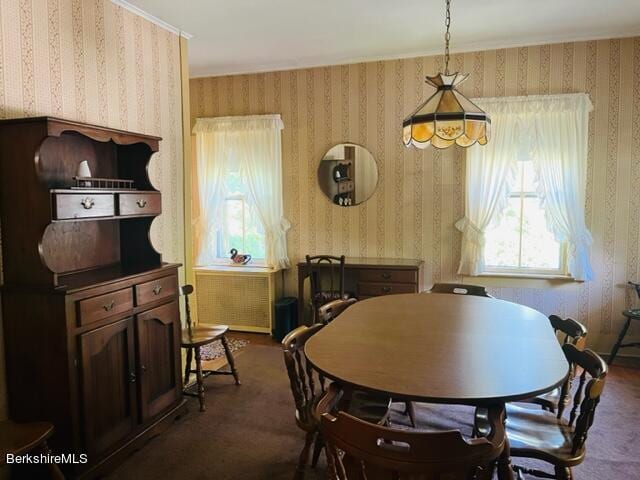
<point x="240" y="269"/>
<point x="518" y="280"/>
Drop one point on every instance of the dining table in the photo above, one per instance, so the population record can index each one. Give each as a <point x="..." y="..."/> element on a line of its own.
<point x="442" y="348"/>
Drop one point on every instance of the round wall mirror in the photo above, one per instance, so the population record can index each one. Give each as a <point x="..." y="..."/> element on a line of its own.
<point x="348" y="174"/>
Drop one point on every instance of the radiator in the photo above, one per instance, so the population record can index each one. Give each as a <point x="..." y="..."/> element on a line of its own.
<point x="242" y="298"/>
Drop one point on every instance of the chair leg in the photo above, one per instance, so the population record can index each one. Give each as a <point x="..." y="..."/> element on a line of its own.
<point x="232" y="363"/>
<point x="563" y="473"/>
<point x="199" y="379"/>
<point x="54" y="471"/>
<point x="187" y="366"/>
<point x="317" y="449"/>
<point x="616" y="347"/>
<point x="303" y="461"/>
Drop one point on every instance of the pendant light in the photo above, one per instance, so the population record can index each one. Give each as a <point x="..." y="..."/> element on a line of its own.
<point x="447" y="117"/>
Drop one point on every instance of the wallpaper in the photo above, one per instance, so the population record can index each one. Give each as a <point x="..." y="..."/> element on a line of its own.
<point x="92" y="61"/>
<point x="421" y="193"/>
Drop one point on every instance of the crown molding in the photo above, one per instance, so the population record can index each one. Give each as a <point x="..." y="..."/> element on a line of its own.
<point x="147" y="16"/>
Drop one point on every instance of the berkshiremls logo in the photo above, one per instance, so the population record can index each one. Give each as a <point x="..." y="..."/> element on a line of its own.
<point x="44" y="458"/>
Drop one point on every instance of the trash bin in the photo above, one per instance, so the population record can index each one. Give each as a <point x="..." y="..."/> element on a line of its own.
<point x="286" y="317"/>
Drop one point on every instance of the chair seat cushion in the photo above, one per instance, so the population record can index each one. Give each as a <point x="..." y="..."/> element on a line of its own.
<point x="370" y="407"/>
<point x="536" y="433"/>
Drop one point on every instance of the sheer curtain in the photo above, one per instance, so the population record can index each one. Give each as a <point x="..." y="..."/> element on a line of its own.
<point x="550" y="130"/>
<point x="254" y="142"/>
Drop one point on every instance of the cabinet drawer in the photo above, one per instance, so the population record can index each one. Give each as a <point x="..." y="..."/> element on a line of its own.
<point x="376" y="289"/>
<point x="73" y="205"/>
<point x="156" y="289"/>
<point x="346" y="186"/>
<point x="388" y="276"/>
<point x="93" y="309"/>
<point x="139" y="203"/>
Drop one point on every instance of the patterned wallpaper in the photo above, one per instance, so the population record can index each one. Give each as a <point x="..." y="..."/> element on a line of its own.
<point x="421" y="193"/>
<point x="92" y="61"/>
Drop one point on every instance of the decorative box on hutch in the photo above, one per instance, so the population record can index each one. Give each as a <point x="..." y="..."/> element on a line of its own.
<point x="90" y="311"/>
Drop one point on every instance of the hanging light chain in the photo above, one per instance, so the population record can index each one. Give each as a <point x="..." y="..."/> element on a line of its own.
<point x="447" y="37"/>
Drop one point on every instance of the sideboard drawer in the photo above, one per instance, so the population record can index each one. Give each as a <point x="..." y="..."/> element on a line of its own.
<point x="388" y="276"/>
<point x="376" y="289"/>
<point x="139" y="203"/>
<point x="156" y="289"/>
<point x="88" y="205"/>
<point x="96" y="308"/>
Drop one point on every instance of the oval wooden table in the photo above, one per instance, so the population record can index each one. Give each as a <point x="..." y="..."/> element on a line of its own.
<point x="442" y="348"/>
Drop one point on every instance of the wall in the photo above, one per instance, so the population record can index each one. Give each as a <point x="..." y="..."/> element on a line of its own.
<point x="96" y="62"/>
<point x="421" y="193"/>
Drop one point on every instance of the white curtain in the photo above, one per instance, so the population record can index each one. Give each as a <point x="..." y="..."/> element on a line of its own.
<point x="255" y="143"/>
<point x="550" y="130"/>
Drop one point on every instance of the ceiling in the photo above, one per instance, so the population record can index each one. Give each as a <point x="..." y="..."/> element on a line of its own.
<point x="242" y="36"/>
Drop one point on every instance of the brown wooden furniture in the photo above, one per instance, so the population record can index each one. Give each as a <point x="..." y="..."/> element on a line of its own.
<point x="90" y="311"/>
<point x="629" y="315"/>
<point x="371" y="277"/>
<point x="442" y="348"/>
<point x="329" y="311"/>
<point x="307" y="387"/>
<point x="570" y="331"/>
<point x="552" y="438"/>
<point x="196" y="336"/>
<point x="357" y="450"/>
<point x="460" y="289"/>
<point x="22" y="438"/>
<point x="326" y="275"/>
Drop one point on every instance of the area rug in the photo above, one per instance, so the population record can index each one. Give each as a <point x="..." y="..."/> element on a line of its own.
<point x="215" y="350"/>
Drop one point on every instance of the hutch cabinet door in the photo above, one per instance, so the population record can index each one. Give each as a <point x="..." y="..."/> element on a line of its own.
<point x="108" y="384"/>
<point x="159" y="350"/>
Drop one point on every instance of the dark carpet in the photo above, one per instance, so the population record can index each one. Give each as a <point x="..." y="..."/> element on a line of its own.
<point x="249" y="431"/>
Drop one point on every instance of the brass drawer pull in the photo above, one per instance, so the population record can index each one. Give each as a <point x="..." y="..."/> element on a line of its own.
<point x="157" y="290"/>
<point x="132" y="377"/>
<point x="386" y="289"/>
<point x="88" y="203"/>
<point x="142" y="203"/>
<point x="109" y="306"/>
<point x="386" y="275"/>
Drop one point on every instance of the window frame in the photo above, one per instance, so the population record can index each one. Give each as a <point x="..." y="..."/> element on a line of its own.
<point x="520" y="271"/>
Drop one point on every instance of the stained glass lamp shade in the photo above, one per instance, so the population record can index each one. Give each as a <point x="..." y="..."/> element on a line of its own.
<point x="447" y="117"/>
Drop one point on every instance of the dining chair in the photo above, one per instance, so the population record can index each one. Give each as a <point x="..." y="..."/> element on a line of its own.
<point x="331" y="310"/>
<point x="555" y="438"/>
<point x="193" y="337"/>
<point x="22" y="438"/>
<point x="460" y="289"/>
<point x="326" y="278"/>
<point x="357" y="450"/>
<point x="308" y="386"/>
<point x="569" y="331"/>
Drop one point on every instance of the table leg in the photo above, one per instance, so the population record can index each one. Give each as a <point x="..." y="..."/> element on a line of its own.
<point x="505" y="472"/>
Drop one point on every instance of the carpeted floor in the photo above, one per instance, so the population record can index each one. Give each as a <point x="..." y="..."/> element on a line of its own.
<point x="248" y="432"/>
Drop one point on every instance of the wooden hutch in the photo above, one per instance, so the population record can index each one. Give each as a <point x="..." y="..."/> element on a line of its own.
<point x="90" y="311"/>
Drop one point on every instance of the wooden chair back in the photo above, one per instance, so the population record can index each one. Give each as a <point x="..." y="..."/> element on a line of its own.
<point x="571" y="330"/>
<point x="358" y="450"/>
<point x="187" y="290"/>
<point x="460" y="289"/>
<point x="307" y="385"/>
<point x="586" y="397"/>
<point x="329" y="311"/>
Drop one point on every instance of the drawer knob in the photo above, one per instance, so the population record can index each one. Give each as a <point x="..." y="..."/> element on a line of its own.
<point x="142" y="203"/>
<point x="88" y="203"/>
<point x="157" y="290"/>
<point x="386" y="289"/>
<point x="386" y="275"/>
<point x="109" y="306"/>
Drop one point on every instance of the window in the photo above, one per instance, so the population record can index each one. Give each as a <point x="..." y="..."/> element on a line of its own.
<point x="521" y="241"/>
<point x="240" y="227"/>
